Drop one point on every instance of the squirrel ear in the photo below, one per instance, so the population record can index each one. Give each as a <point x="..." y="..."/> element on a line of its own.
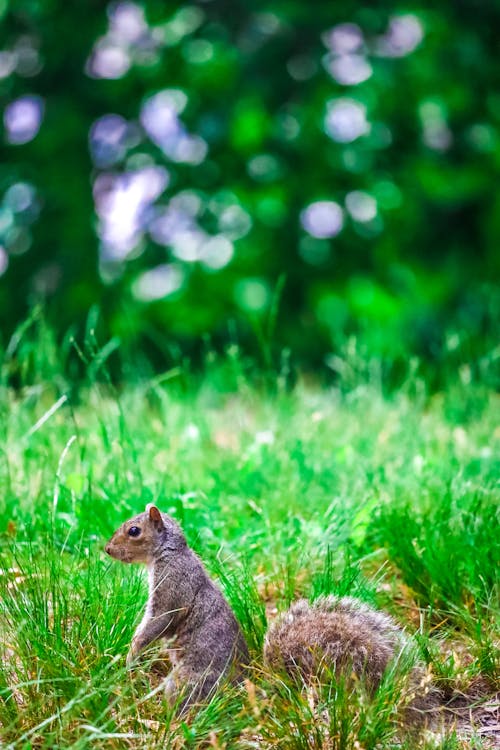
<point x="154" y="515"/>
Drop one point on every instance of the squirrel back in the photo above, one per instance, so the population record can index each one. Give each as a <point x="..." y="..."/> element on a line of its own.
<point x="184" y="606"/>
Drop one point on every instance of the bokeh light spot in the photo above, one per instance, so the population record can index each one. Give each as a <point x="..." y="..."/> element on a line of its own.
<point x="127" y="22"/>
<point x="108" y="60"/>
<point x="6" y="219"/>
<point x="322" y="219"/>
<point x="27" y="57"/>
<point x="289" y="126"/>
<point x="129" y="40"/>
<point x="158" y="283"/>
<point x="198" y="51"/>
<point x="252" y="294"/>
<point x="217" y="252"/>
<point x="188" y="202"/>
<point x="160" y="119"/>
<point x="121" y="202"/>
<point x="169" y="223"/>
<point x="348" y="70"/>
<point x="108" y="140"/>
<point x="387" y="194"/>
<point x="346" y="120"/>
<point x="18" y="240"/>
<point x="361" y="206"/>
<point x="184" y="22"/>
<point x="186" y="245"/>
<point x="436" y="133"/>
<point x="7" y="63"/>
<point x="234" y="222"/>
<point x="404" y="35"/>
<point x="482" y="137"/>
<point x="4" y="260"/>
<point x="344" y="38"/>
<point x="20" y="197"/>
<point x="267" y="23"/>
<point x="22" y="119"/>
<point x="264" y="168"/>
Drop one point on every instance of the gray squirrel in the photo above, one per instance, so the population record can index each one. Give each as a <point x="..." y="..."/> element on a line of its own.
<point x="185" y="606"/>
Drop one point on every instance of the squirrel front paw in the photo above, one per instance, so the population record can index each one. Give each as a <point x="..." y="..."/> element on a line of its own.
<point x="131" y="659"/>
<point x="170" y="687"/>
<point x="133" y="653"/>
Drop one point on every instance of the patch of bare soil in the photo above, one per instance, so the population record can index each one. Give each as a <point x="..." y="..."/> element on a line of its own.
<point x="475" y="714"/>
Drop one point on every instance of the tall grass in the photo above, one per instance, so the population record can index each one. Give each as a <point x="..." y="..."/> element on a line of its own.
<point x="391" y="497"/>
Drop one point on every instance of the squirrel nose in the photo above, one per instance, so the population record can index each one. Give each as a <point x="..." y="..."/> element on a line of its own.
<point x="106" y="549"/>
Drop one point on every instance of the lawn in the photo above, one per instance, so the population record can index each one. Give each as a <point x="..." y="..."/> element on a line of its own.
<point x="284" y="492"/>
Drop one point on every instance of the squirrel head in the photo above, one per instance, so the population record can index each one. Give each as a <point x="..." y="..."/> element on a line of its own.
<point x="143" y="538"/>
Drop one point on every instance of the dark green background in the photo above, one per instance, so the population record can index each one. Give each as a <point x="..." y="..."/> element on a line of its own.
<point x="421" y="278"/>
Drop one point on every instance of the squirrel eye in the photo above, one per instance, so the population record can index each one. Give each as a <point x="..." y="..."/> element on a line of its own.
<point x="134" y="531"/>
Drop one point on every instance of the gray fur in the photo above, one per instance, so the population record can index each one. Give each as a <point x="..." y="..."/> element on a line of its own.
<point x="340" y="634"/>
<point x="184" y="606"/>
<point x="332" y="634"/>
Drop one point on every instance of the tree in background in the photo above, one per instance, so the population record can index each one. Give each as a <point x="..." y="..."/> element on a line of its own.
<point x="182" y="166"/>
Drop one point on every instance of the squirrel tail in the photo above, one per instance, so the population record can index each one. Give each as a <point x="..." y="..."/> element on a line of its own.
<point x="339" y="634"/>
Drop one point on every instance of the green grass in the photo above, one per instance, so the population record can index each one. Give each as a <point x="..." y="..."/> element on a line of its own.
<point x="284" y="493"/>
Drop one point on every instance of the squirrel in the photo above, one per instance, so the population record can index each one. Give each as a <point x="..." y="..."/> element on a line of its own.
<point x="183" y="604"/>
<point x="332" y="635"/>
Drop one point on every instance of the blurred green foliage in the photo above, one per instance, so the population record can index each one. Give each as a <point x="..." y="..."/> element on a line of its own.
<point x="282" y="173"/>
